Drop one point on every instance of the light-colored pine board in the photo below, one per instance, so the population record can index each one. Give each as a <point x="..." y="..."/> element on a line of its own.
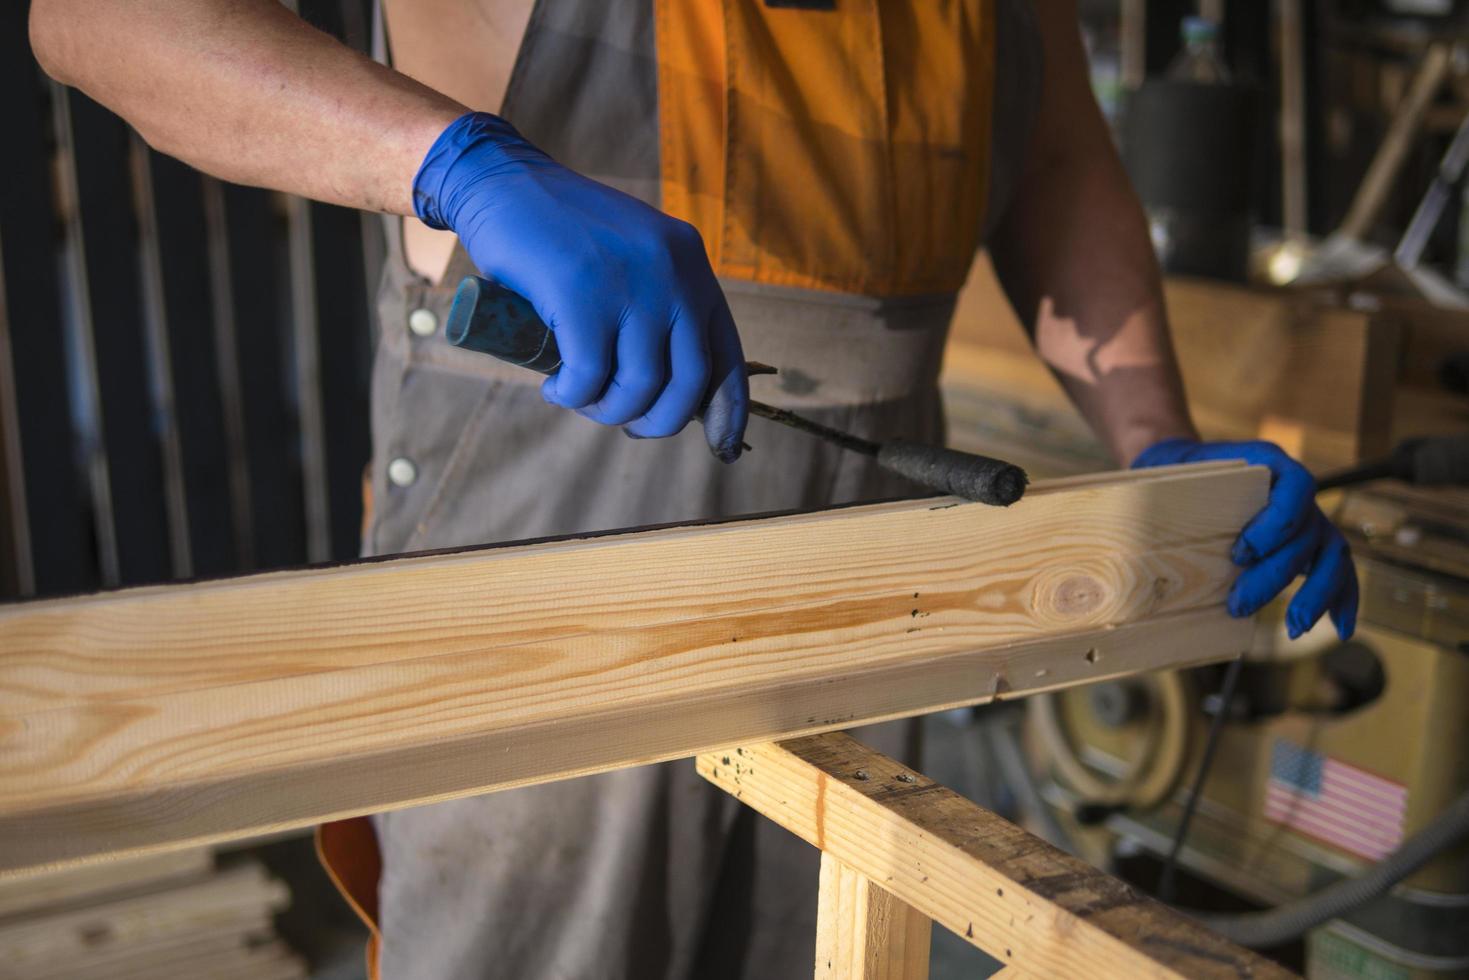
<point x="36" y="893"/>
<point x="1004" y="890"/>
<point x="271" y="960"/>
<point x="162" y="956"/>
<point x="221" y="899"/>
<point x="863" y="932"/>
<point x="183" y="714"/>
<point x="159" y="640"/>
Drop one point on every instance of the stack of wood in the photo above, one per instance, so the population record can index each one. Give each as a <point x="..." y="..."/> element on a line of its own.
<point x="170" y="915"/>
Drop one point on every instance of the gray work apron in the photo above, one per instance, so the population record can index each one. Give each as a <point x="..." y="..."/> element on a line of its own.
<point x="647" y="872"/>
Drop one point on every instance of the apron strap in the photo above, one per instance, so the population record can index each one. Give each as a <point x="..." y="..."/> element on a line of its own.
<point x="348" y="850"/>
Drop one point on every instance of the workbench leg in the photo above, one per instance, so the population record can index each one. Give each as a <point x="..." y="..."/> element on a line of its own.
<point x="863" y="932"/>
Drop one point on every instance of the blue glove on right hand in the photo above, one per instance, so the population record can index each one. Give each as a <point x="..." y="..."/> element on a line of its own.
<point x="1290" y="537"/>
<point x="646" y="338"/>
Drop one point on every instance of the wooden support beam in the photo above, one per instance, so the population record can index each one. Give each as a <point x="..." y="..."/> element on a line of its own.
<point x="1037" y="909"/>
<point x="863" y="932"/>
<point x="170" y="715"/>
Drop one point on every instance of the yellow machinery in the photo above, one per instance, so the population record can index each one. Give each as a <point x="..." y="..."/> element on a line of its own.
<point x="1332" y="754"/>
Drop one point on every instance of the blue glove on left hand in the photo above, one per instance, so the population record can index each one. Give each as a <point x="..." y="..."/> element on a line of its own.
<point x="1291" y="536"/>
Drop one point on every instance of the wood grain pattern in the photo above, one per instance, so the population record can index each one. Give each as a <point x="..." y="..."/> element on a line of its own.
<point x="863" y="932"/>
<point x="162" y="716"/>
<point x="1004" y="890"/>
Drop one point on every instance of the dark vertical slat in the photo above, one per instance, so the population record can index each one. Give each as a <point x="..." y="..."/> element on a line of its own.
<point x="1314" y="46"/>
<point x="154" y="313"/>
<point x="227" y="372"/>
<point x="1164" y="41"/>
<point x="334" y="337"/>
<point x="344" y="337"/>
<point x="81" y="357"/>
<point x="62" y="556"/>
<point x="257" y="276"/>
<point x="306" y="344"/>
<point x="17" y="576"/>
<point x="110" y="317"/>
<point x="175" y="214"/>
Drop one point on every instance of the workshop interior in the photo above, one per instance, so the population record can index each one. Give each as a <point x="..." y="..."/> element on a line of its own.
<point x="186" y="367"/>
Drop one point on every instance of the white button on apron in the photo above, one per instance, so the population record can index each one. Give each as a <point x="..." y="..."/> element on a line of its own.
<point x="402" y="471"/>
<point x="423" y="322"/>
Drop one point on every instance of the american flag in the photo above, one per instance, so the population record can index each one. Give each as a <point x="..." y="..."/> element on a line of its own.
<point x="1318" y="796"/>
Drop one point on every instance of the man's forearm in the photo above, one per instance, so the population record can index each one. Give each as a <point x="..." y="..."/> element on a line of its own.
<point x="245" y="90"/>
<point x="1084" y="283"/>
<point x="1074" y="257"/>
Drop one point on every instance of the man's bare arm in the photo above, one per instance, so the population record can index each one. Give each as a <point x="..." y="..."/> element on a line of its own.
<point x="1074" y="257"/>
<point x="247" y="91"/>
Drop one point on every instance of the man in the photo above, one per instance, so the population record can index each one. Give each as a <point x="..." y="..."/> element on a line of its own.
<point x="825" y="172"/>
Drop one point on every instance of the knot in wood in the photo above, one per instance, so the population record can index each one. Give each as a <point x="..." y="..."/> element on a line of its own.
<point x="1072" y="596"/>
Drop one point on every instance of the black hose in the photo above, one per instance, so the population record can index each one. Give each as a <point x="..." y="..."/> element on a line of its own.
<point x="1285" y="922"/>
<point x="1426" y="462"/>
<point x="1167" y="880"/>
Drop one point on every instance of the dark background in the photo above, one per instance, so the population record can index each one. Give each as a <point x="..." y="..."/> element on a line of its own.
<point x="183" y="362"/>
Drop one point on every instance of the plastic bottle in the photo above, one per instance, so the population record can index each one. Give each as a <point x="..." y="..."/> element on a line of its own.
<point x="1200" y="60"/>
<point x="1188" y="146"/>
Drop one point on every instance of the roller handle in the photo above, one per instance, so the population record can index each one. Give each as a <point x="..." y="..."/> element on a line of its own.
<point x="488" y="318"/>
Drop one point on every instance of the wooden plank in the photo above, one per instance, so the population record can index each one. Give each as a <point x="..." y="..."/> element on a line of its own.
<point x="1430" y="335"/>
<point x="220" y="957"/>
<point x="55" y="495"/>
<point x="1313" y="377"/>
<point x="863" y="932"/>
<point x="1256" y="364"/>
<point x="167" y="715"/>
<point x="229" y="897"/>
<point x="33" y="894"/>
<point x="1292" y="120"/>
<point x="272" y="961"/>
<point x="187" y="955"/>
<point x="1407" y="118"/>
<point x="1004" y="890"/>
<point x="1132" y="33"/>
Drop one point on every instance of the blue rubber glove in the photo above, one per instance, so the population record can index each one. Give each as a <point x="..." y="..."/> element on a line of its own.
<point x="1289" y="537"/>
<point x="646" y="337"/>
